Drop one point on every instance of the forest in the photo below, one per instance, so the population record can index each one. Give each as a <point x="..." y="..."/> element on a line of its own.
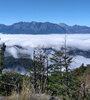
<point x="49" y="78"/>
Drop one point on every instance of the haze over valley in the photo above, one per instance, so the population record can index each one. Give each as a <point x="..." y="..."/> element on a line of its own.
<point x="21" y="46"/>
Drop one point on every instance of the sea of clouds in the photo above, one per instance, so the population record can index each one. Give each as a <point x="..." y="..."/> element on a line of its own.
<point x="80" y="41"/>
<point x="54" y="41"/>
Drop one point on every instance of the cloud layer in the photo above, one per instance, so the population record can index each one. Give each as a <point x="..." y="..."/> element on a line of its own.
<point x="55" y="41"/>
<point x="80" y="41"/>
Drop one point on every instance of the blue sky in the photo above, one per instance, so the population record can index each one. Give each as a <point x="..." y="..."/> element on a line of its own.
<point x="57" y="11"/>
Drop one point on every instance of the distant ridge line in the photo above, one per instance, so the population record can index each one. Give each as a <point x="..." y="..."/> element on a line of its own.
<point x="42" y="28"/>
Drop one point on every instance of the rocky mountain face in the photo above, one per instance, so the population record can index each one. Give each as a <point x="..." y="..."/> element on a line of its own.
<point x="42" y="28"/>
<point x="32" y="28"/>
<point x="75" y="28"/>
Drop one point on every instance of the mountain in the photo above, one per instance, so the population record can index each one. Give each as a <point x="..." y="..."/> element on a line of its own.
<point x="75" y="28"/>
<point x="42" y="28"/>
<point x="32" y="28"/>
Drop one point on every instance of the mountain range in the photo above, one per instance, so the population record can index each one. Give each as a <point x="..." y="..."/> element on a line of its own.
<point x="42" y="28"/>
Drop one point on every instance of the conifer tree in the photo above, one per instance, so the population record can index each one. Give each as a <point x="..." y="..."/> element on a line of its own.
<point x="61" y="69"/>
<point x="66" y="64"/>
<point x="40" y="60"/>
<point x="34" y="71"/>
<point x="3" y="47"/>
<point x="39" y="69"/>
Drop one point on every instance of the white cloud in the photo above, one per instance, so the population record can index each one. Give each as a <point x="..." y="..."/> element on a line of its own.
<point x="28" y="42"/>
<point x="79" y="60"/>
<point x="13" y="51"/>
<point x="80" y="41"/>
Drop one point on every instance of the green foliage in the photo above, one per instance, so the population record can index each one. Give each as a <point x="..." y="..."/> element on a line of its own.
<point x="56" y="78"/>
<point x="60" y="74"/>
<point x="10" y="81"/>
<point x="39" y="70"/>
<point x="2" y="57"/>
<point x="78" y="77"/>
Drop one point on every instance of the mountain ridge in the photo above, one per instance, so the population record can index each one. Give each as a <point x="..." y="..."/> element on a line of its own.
<point x="42" y="28"/>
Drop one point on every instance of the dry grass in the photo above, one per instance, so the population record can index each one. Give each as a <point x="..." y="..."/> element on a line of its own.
<point x="27" y="93"/>
<point x="27" y="96"/>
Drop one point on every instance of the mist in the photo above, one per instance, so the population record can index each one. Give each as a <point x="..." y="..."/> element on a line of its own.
<point x="55" y="41"/>
<point x="27" y="44"/>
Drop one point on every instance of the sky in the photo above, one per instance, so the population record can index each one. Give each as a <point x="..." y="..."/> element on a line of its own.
<point x="70" y="12"/>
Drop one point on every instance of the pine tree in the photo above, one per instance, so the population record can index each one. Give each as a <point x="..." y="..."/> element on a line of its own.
<point x="61" y="69"/>
<point x="3" y="47"/>
<point x="66" y="64"/>
<point x="34" y="71"/>
<point x="39" y="60"/>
